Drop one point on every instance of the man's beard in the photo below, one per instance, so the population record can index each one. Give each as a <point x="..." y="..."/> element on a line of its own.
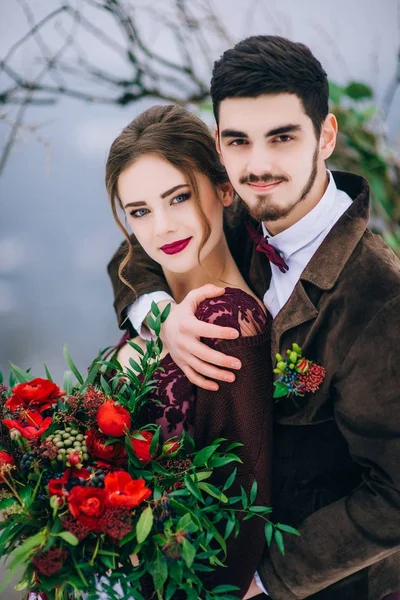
<point x="264" y="211"/>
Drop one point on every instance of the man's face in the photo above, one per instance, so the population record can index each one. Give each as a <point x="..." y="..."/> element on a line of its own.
<point x="273" y="158"/>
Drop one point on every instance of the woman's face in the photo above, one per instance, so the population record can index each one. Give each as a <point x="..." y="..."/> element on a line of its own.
<point x="161" y="211"/>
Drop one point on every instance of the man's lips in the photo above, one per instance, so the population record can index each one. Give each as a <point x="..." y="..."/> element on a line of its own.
<point x="262" y="186"/>
<point x="175" y="247"/>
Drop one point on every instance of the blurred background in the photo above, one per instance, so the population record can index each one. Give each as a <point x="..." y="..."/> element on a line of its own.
<point x="73" y="73"/>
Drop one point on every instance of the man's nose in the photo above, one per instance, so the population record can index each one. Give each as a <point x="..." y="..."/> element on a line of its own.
<point x="259" y="161"/>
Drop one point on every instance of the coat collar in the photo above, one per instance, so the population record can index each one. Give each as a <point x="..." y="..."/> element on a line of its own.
<point x="326" y="265"/>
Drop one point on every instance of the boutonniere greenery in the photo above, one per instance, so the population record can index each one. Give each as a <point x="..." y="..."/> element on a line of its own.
<point x="297" y="375"/>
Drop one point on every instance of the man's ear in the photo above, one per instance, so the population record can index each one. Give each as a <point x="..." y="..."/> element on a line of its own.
<point x="328" y="136"/>
<point x="226" y="193"/>
<point x="217" y="143"/>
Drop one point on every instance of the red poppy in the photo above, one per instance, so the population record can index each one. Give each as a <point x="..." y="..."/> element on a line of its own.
<point x="30" y="424"/>
<point x="57" y="486"/>
<point x="113" y="420"/>
<point x="5" y="459"/>
<point x="38" y="393"/>
<point x="88" y="505"/>
<point x="142" y="447"/>
<point x="111" y="455"/>
<point x="124" y="491"/>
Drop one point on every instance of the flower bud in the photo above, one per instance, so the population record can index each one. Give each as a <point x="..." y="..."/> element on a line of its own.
<point x="293" y="357"/>
<point x="303" y="366"/>
<point x="15" y="434"/>
<point x="74" y="459"/>
<point x="170" y="448"/>
<point x="56" y="502"/>
<point x="281" y="365"/>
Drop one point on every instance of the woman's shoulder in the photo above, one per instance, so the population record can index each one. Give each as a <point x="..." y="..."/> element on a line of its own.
<point x="235" y="308"/>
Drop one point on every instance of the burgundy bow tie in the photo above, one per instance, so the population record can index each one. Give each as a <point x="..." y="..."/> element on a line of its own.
<point x="263" y="246"/>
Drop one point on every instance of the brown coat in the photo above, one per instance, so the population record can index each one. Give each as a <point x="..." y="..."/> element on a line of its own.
<point x="336" y="452"/>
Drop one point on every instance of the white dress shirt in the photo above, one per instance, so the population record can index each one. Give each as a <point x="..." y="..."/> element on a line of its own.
<point x="297" y="245"/>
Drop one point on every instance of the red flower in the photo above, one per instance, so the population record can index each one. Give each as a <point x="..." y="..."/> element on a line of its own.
<point x="303" y="365"/>
<point x="142" y="447"/>
<point x="88" y="505"/>
<point x="171" y="447"/>
<point x="31" y="424"/>
<point x="5" y="459"/>
<point x="111" y="455"/>
<point x="38" y="393"/>
<point x="124" y="491"/>
<point x="57" y="486"/>
<point x="113" y="420"/>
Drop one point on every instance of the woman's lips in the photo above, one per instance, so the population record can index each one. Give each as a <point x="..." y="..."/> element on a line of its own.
<point x="264" y="187"/>
<point x="175" y="247"/>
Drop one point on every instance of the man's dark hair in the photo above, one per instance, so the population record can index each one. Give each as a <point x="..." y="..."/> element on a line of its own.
<point x="269" y="64"/>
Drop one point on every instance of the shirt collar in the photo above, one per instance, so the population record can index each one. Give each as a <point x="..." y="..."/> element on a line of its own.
<point x="309" y="227"/>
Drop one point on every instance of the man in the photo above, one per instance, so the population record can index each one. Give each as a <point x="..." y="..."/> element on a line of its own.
<point x="333" y="289"/>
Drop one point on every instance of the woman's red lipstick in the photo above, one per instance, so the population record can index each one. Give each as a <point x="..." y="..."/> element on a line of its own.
<point x="175" y="247"/>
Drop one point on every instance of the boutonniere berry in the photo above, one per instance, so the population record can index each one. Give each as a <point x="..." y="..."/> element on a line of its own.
<point x="297" y="375"/>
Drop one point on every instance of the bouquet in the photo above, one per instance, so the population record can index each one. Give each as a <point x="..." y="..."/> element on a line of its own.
<point x="93" y="500"/>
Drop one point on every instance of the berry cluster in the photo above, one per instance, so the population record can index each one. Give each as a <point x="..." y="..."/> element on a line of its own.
<point x="297" y="375"/>
<point x="68" y="440"/>
<point x="98" y="479"/>
<point x="27" y="461"/>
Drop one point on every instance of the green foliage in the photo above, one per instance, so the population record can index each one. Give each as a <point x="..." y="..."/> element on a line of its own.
<point x="362" y="148"/>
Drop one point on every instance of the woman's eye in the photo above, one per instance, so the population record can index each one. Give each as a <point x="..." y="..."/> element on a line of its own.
<point x="181" y="198"/>
<point x="141" y="212"/>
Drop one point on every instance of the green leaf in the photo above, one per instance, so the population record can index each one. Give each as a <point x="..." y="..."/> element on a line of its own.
<point x="336" y="92"/>
<point x="221" y="589"/>
<point x="6" y="502"/>
<point x="260" y="509"/>
<point x="287" y="529"/>
<point x="144" y="525"/>
<point x="105" y="386"/>
<point x="230" y="480"/>
<point x="154" y="441"/>
<point x="253" y="492"/>
<point x="280" y="390"/>
<point x="159" y="571"/>
<point x="72" y="365"/>
<point x="20" y="555"/>
<point x="68" y="537"/>
<point x="67" y="383"/>
<point x="244" y="497"/>
<point x="165" y="312"/>
<point x="202" y="475"/>
<point x="151" y="322"/>
<point x="135" y="366"/>
<point x="20" y="375"/>
<point x="278" y="537"/>
<point x="188" y="553"/>
<point x="358" y="91"/>
<point x="186" y="523"/>
<point x="213" y="491"/>
<point x="193" y="488"/>
<point x="229" y="528"/>
<point x="154" y="309"/>
<point x="136" y="347"/>
<point x="203" y="455"/>
<point x="46" y="370"/>
<point x="269" y="532"/>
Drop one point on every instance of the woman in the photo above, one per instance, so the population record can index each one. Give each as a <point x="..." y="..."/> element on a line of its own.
<point x="164" y="174"/>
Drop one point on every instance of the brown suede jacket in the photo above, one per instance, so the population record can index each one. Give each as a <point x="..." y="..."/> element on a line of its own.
<point x="336" y="452"/>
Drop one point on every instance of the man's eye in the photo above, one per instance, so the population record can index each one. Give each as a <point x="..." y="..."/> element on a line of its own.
<point x="141" y="212"/>
<point x="283" y="139"/>
<point x="238" y="142"/>
<point x="181" y="198"/>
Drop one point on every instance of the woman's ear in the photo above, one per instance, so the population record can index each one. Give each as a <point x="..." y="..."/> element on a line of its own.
<point x="225" y="193"/>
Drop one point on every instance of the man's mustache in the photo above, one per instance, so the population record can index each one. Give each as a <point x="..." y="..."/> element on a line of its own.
<point x="265" y="178"/>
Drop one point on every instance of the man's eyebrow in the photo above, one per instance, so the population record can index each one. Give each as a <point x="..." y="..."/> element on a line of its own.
<point x="163" y="195"/>
<point x="233" y="133"/>
<point x="283" y="129"/>
<point x="230" y="133"/>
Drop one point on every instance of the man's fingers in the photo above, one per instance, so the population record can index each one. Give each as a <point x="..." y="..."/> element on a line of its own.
<point x="209" y="355"/>
<point x="201" y="329"/>
<point x="199" y="381"/>
<point x="210" y="371"/>
<point x="202" y="293"/>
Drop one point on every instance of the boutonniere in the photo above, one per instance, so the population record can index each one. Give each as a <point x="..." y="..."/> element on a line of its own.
<point x="297" y="375"/>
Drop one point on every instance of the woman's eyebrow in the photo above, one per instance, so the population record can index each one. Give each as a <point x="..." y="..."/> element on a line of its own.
<point x="173" y="189"/>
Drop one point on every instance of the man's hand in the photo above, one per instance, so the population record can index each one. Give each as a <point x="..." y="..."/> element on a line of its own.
<point x="253" y="590"/>
<point x="181" y="333"/>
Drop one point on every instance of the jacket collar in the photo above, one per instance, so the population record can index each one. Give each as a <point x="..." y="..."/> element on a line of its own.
<point x="326" y="265"/>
